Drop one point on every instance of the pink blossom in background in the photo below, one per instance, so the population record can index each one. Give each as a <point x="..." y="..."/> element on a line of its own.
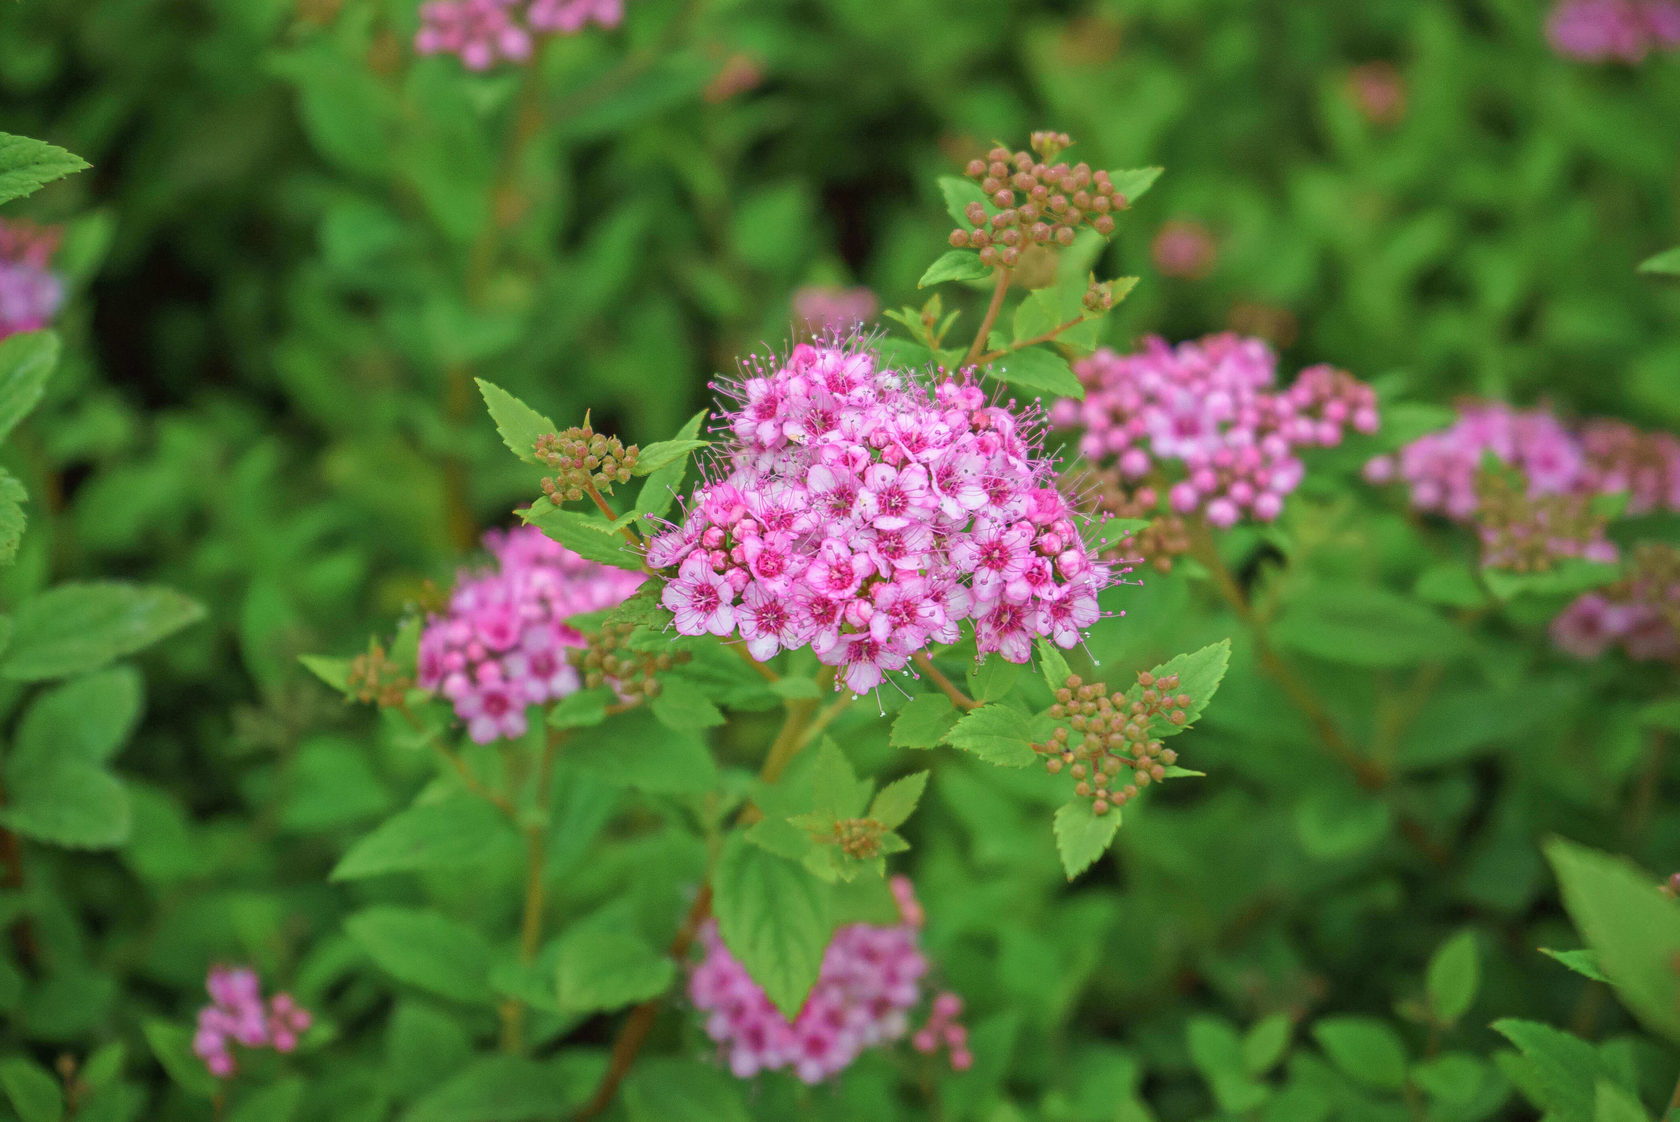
<point x="870" y="980"/>
<point x="1206" y="421"/>
<point x="238" y="1015"/>
<point x="1378" y="91"/>
<point x="1638" y="615"/>
<point x="30" y="292"/>
<point x="567" y="17"/>
<point x="483" y="33"/>
<point x="866" y="514"/>
<point x="1613" y="30"/>
<point x="831" y="310"/>
<point x="502" y="644"/>
<point x="1184" y="249"/>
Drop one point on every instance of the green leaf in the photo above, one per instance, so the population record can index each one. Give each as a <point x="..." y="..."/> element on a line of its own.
<point x="959" y="192"/>
<point x="992" y="678"/>
<point x="1632" y="926"/>
<point x="1366" y="1049"/>
<point x="664" y="453"/>
<point x="1135" y="183"/>
<point x="1452" y="1077"/>
<point x="584" y="709"/>
<point x="425" y="949"/>
<point x="667" y="1089"/>
<point x="457" y="832"/>
<point x="1569" y="577"/>
<point x="1083" y="835"/>
<point x="28" y="165"/>
<point x="1454" y="976"/>
<point x="774" y="918"/>
<point x="278" y="1102"/>
<point x="1199" y="674"/>
<point x="601" y="970"/>
<point x="1583" y="962"/>
<point x="1216" y="1050"/>
<point x="1264" y="1044"/>
<point x="1615" y="1103"/>
<point x="587" y="536"/>
<point x="634" y="750"/>
<point x="1334" y="823"/>
<point x="88" y="718"/>
<point x="422" y="1043"/>
<point x="66" y="801"/>
<point x="1038" y="370"/>
<point x="997" y="734"/>
<point x="1565" y="1069"/>
<point x="835" y="788"/>
<point x="335" y="672"/>
<point x="923" y="722"/>
<point x="74" y="628"/>
<point x="896" y="802"/>
<point x="172" y="1045"/>
<point x="13" y="520"/>
<point x="660" y="490"/>
<point x="1360" y="625"/>
<point x="958" y="264"/>
<point x="518" y="423"/>
<point x="507" y="1089"/>
<point x="1053" y="665"/>
<point x="26" y="361"/>
<point x="33" y="1091"/>
<point x="1451" y="586"/>
<point x="1666" y="263"/>
<point x="682" y="706"/>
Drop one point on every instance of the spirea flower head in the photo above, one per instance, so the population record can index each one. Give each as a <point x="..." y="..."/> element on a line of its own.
<point x="30" y="292"/>
<point x="1204" y="426"/>
<point x="1640" y="613"/>
<point x="1613" y="30"/>
<point x="870" y="979"/>
<point x="483" y="33"/>
<point x="864" y="513"/>
<point x="238" y="1015"/>
<point x="503" y="644"/>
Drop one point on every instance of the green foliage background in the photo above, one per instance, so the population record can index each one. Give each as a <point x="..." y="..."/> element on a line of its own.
<point x="298" y="245"/>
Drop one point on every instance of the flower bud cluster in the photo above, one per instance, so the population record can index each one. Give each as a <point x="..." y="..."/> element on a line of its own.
<point x="375" y="680"/>
<point x="867" y="514"/>
<point x="1528" y="533"/>
<point x="1613" y="30"/>
<point x="584" y="460"/>
<point x="943" y="1030"/>
<point x="30" y="292"/>
<point x="1639" y="614"/>
<point x="870" y="978"/>
<point x="238" y="1015"/>
<point x="1107" y="489"/>
<point x="484" y="32"/>
<point x="609" y="658"/>
<point x="1114" y="731"/>
<point x="504" y="643"/>
<point x="1204" y="426"/>
<point x="1034" y="201"/>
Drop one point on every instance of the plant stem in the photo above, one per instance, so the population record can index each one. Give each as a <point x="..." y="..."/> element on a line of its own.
<point x="978" y="347"/>
<point x="530" y="927"/>
<point x="949" y="688"/>
<point x="612" y="515"/>
<point x="468" y="780"/>
<point x="1021" y="344"/>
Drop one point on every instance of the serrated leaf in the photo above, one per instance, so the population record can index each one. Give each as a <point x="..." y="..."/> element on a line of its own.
<point x="774" y="918"/>
<point x="518" y="424"/>
<point x="1038" y="370"/>
<point x="835" y="788"/>
<point x="660" y="490"/>
<point x="997" y="734"/>
<point x="895" y="802"/>
<point x="1566" y="1069"/>
<point x="682" y="706"/>
<point x="959" y="192"/>
<point x="1082" y="835"/>
<point x="1199" y="674"/>
<point x="425" y="949"/>
<point x="923" y="722"/>
<point x="65" y="801"/>
<point x="958" y="264"/>
<point x="664" y="453"/>
<point x="589" y="537"/>
<point x="1583" y="962"/>
<point x="454" y="833"/>
<point x="1052" y="664"/>
<point x="584" y="709"/>
<point x="73" y="628"/>
<point x="27" y="359"/>
<point x="27" y="165"/>
<point x="601" y="970"/>
<point x="13" y="520"/>
<point x="1134" y="183"/>
<point x="1632" y="926"/>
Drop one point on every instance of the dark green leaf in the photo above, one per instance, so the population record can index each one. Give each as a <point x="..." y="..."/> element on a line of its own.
<point x="1666" y="263"/>
<point x="603" y="970"/>
<point x="1366" y="1049"/>
<point x="26" y="361"/>
<point x="67" y="802"/>
<point x="88" y="718"/>
<point x="425" y="949"/>
<point x="457" y="832"/>
<point x="75" y="628"/>
<point x="33" y="1091"/>
<point x="587" y="536"/>
<point x="1453" y="978"/>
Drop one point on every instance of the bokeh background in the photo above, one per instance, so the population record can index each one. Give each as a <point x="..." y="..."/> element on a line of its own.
<point x="299" y="242"/>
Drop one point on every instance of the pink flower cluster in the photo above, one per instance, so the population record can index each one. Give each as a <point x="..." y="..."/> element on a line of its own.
<point x="30" y="292"/>
<point x="866" y="516"/>
<point x="1599" y="458"/>
<point x="827" y="310"/>
<point x="484" y="32"/>
<point x="1205" y="420"/>
<point x="1640" y="613"/>
<point x="237" y="1015"/>
<point x="944" y="1030"/>
<point x="869" y="981"/>
<point x="1613" y="30"/>
<point x="502" y="644"/>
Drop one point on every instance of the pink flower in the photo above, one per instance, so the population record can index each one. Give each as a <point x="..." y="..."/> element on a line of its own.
<point x="700" y="598"/>
<point x="30" y="292"/>
<point x="480" y="32"/>
<point x="237" y="1014"/>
